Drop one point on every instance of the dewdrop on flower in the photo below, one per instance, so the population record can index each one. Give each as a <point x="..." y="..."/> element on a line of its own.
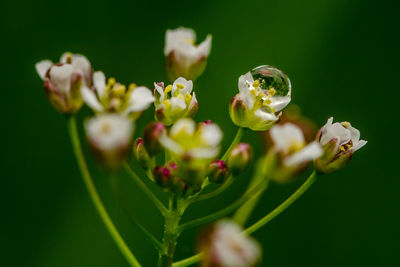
<point x="225" y="245"/>
<point x="116" y="97"/>
<point x="263" y="93"/>
<point x="110" y="137"/>
<point x="182" y="57"/>
<point x="63" y="81"/>
<point x="175" y="101"/>
<point x="291" y="151"/>
<point x="339" y="142"/>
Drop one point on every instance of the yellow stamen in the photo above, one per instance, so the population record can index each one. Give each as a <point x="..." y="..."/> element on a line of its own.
<point x="68" y="58"/>
<point x="271" y="91"/>
<point x="180" y="86"/>
<point x="131" y="87"/>
<point x="188" y="97"/>
<point x="342" y="148"/>
<point x="345" y="124"/>
<point x="111" y="81"/>
<point x="256" y="83"/>
<point x="181" y="96"/>
<point x="168" y="89"/>
<point x="119" y="89"/>
<point x="267" y="102"/>
<point x="167" y="103"/>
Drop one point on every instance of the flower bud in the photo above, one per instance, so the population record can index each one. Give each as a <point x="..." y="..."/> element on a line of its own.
<point x="224" y="245"/>
<point x="63" y="81"/>
<point x="141" y="153"/>
<point x="218" y="172"/>
<point x="182" y="57"/>
<point x="339" y="141"/>
<point x="263" y="93"/>
<point x="110" y="137"/>
<point x="239" y="158"/>
<point x="151" y="137"/>
<point x="162" y="176"/>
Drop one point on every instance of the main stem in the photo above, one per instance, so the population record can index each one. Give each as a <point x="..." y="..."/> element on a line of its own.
<point x="171" y="233"/>
<point x="95" y="196"/>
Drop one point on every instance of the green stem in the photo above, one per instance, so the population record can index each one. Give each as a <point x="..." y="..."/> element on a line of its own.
<point x="129" y="211"/>
<point x="235" y="141"/>
<point x="95" y="196"/>
<point x="245" y="197"/>
<point x="146" y="190"/>
<point x="278" y="210"/>
<point x="188" y="261"/>
<point x="214" y="193"/>
<point x="266" y="219"/>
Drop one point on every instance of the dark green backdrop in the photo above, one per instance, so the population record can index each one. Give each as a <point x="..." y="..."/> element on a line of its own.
<point x="341" y="56"/>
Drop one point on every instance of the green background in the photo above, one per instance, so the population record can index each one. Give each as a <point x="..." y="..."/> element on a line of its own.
<point x="341" y="56"/>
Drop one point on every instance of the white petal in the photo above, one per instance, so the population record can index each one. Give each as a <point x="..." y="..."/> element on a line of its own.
<point x="187" y="86"/>
<point x="355" y="134"/>
<point x="336" y="130"/>
<point x="211" y="134"/>
<point x="160" y="90"/>
<point x="171" y="145"/>
<point x="80" y="63"/>
<point x="90" y="99"/>
<point x="193" y="101"/>
<point x="285" y="135"/>
<point x="310" y="152"/>
<point x="99" y="81"/>
<point x="177" y="104"/>
<point x="204" y="153"/>
<point x="204" y="48"/>
<point x="60" y="77"/>
<point x="118" y="131"/>
<point x="265" y="116"/>
<point x="244" y="81"/>
<point x="279" y="102"/>
<point x="183" y="127"/>
<point x="140" y="99"/>
<point x="42" y="67"/>
<point x="178" y="39"/>
<point x="359" y="145"/>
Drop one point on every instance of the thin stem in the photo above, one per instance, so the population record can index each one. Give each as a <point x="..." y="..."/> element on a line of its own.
<point x="278" y="210"/>
<point x="235" y="141"/>
<point x="266" y="219"/>
<point x="214" y="193"/>
<point x="188" y="261"/>
<point x="146" y="190"/>
<point x="95" y="196"/>
<point x="129" y="211"/>
<point x="249" y="194"/>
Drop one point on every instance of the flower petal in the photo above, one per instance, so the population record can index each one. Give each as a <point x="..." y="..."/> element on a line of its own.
<point x="99" y="81"/>
<point x="42" y="67"/>
<point x="285" y="135"/>
<point x="359" y="145"/>
<point x="90" y="99"/>
<point x="310" y="152"/>
<point x="139" y="100"/>
<point x="60" y="77"/>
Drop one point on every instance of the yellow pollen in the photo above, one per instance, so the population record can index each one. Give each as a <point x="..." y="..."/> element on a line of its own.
<point x="168" y="89"/>
<point x="119" y="89"/>
<point x="68" y="58"/>
<point x="253" y="92"/>
<point x="256" y="83"/>
<point x="342" y="148"/>
<point x="131" y="87"/>
<point x="111" y="81"/>
<point x="180" y="86"/>
<point x="345" y="124"/>
<point x="106" y="128"/>
<point x="271" y="91"/>
<point x="267" y="102"/>
<point x="188" y="97"/>
<point x="189" y="41"/>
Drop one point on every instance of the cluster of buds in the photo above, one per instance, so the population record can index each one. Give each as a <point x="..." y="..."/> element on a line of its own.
<point x="63" y="81"/>
<point x="175" y="101"/>
<point x="225" y="245"/>
<point x="263" y="93"/>
<point x="167" y="177"/>
<point x="339" y="142"/>
<point x="182" y="57"/>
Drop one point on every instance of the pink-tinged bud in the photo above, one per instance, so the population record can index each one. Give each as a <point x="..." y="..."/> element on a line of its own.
<point x="237" y="111"/>
<point x="224" y="244"/>
<point x="239" y="158"/>
<point x="218" y="172"/>
<point x="151" y="137"/>
<point x="162" y="176"/>
<point x="141" y="153"/>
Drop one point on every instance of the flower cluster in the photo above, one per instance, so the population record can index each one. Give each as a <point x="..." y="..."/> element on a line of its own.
<point x="183" y="156"/>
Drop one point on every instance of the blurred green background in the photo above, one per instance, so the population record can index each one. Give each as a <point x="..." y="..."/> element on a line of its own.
<point x="341" y="56"/>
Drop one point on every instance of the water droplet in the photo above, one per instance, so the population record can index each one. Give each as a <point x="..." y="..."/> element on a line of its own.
<point x="271" y="77"/>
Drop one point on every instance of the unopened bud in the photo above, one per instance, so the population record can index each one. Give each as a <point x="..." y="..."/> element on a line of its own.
<point x="141" y="153"/>
<point x="162" y="176"/>
<point x="151" y="137"/>
<point x="239" y="158"/>
<point x="218" y="172"/>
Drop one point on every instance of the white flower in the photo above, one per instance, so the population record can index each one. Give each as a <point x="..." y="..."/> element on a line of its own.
<point x="184" y="58"/>
<point x="114" y="97"/>
<point x="175" y="101"/>
<point x="62" y="81"/>
<point x="110" y="137"/>
<point x="186" y="140"/>
<point x="339" y="141"/>
<point x="289" y="140"/>
<point x="229" y="247"/>
<point x="255" y="107"/>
